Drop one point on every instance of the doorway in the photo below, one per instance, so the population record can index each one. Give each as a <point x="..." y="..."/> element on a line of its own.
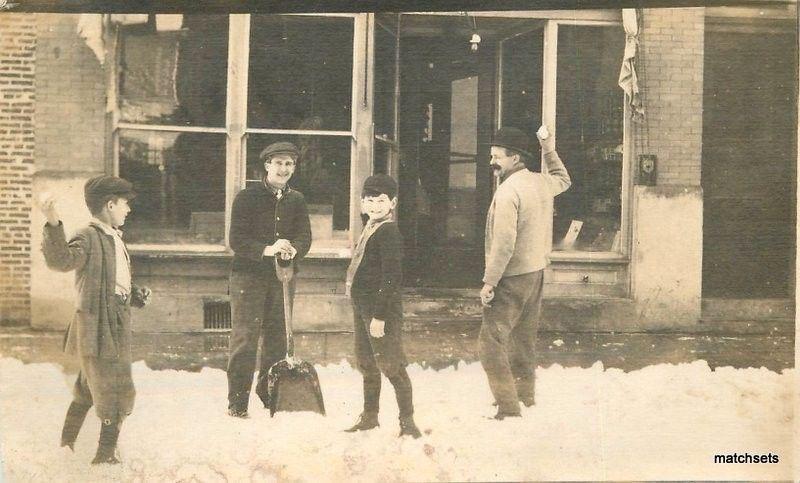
<point x="450" y="102"/>
<point x="749" y="164"/>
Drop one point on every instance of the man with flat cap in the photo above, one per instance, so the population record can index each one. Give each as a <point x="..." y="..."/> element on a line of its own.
<point x="517" y="245"/>
<point x="100" y="332"/>
<point x="269" y="220"/>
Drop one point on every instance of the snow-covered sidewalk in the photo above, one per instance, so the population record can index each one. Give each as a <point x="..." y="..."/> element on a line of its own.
<point x="661" y="422"/>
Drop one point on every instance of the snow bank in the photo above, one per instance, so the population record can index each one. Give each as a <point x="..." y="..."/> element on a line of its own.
<point x="661" y="422"/>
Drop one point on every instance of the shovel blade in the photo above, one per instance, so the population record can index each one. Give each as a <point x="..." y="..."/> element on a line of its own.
<point x="294" y="387"/>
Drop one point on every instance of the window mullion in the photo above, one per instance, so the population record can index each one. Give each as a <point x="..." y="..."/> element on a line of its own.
<point x="236" y="109"/>
<point x="549" y="75"/>
<point x="361" y="153"/>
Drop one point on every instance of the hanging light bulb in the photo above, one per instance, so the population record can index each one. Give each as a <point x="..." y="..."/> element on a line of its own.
<point x="474" y="42"/>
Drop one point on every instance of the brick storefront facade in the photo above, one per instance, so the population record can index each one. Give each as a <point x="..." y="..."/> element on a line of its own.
<point x="53" y="136"/>
<point x="673" y="76"/>
<point x="17" y="97"/>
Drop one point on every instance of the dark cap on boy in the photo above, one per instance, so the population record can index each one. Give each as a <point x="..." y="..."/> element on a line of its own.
<point x="105" y="186"/>
<point x="282" y="147"/>
<point x="379" y="184"/>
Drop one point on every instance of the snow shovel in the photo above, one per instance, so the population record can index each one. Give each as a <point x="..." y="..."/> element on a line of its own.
<point x="292" y="384"/>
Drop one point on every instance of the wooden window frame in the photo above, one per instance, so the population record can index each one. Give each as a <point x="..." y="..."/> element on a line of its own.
<point x="236" y="129"/>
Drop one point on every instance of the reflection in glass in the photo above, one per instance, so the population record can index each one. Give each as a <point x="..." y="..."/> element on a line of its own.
<point x="522" y="85"/>
<point x="385" y="57"/>
<point x="461" y="197"/>
<point x="322" y="174"/>
<point x="176" y="77"/>
<point x="180" y="182"/>
<point x="589" y="113"/>
<point x="301" y="70"/>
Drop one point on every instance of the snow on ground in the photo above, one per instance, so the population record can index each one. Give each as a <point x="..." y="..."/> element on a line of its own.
<point x="660" y="422"/>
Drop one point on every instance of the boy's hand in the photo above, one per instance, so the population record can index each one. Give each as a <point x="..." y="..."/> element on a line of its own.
<point x="146" y="295"/>
<point x="487" y="295"/>
<point x="47" y="205"/>
<point x="281" y="246"/>
<point x="288" y="254"/>
<point x="376" y="328"/>
<point x="140" y="296"/>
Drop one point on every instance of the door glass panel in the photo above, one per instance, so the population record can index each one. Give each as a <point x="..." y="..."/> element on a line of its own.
<point x="589" y="115"/>
<point x="385" y="71"/>
<point x="461" y="207"/>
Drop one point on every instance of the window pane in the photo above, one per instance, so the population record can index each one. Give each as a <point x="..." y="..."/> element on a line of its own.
<point x="175" y="77"/>
<point x="522" y="83"/>
<point x="322" y="175"/>
<point x="589" y="113"/>
<point x="385" y="56"/>
<point x="381" y="158"/>
<point x="462" y="163"/>
<point x="180" y="182"/>
<point x="301" y="71"/>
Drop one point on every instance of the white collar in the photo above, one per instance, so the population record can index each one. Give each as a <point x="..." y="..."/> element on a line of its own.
<point x="108" y="229"/>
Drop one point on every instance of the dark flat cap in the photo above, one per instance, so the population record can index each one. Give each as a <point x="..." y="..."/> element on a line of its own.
<point x="282" y="147"/>
<point x="104" y="186"/>
<point x="379" y="184"/>
<point x="513" y="139"/>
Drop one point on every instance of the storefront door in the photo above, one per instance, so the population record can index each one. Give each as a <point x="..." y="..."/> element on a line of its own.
<point x="448" y="109"/>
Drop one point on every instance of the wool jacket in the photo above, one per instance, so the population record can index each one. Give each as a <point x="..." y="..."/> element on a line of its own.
<point x="258" y="219"/>
<point x="518" y="221"/>
<point x="380" y="273"/>
<point x="94" y="330"/>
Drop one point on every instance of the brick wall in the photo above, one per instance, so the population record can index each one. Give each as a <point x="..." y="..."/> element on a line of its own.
<point x="672" y="49"/>
<point x="17" y="96"/>
<point x="70" y="99"/>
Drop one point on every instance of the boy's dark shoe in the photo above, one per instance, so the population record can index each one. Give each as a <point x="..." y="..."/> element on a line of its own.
<point x="366" y="421"/>
<point x="237" y="412"/>
<point x="528" y="401"/>
<point x="107" y="445"/>
<point x="73" y="422"/>
<point x="409" y="428"/>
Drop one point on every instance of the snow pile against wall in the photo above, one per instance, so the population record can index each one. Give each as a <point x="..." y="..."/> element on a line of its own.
<point x="661" y="422"/>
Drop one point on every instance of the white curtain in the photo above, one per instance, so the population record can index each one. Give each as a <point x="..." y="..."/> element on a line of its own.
<point x="90" y="29"/>
<point x="628" y="80"/>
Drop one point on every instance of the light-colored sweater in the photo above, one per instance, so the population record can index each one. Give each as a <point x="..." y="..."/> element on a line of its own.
<point x="517" y="234"/>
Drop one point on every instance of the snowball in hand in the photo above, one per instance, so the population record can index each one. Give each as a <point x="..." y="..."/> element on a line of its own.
<point x="543" y="133"/>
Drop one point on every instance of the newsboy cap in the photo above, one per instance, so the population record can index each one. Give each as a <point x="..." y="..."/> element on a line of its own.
<point x="282" y="147"/>
<point x="103" y="187"/>
<point x="379" y="184"/>
<point x="513" y="139"/>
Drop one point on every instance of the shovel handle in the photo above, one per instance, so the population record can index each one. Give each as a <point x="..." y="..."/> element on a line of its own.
<point x="284" y="269"/>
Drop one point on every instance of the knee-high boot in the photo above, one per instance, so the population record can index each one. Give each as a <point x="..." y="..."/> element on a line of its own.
<point x="73" y="422"/>
<point x="107" y="444"/>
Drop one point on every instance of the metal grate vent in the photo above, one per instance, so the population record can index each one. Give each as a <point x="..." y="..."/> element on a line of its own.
<point x="216" y="315"/>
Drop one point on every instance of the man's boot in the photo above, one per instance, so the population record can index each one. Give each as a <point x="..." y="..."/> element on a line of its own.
<point x="525" y="391"/>
<point x="408" y="427"/>
<point x="501" y="415"/>
<point x="366" y="421"/>
<point x="107" y="445"/>
<point x="73" y="422"/>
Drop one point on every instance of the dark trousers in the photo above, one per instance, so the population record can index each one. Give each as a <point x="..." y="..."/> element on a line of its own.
<point x="106" y="383"/>
<point x="256" y="312"/>
<point x="381" y="355"/>
<point x="507" y="339"/>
